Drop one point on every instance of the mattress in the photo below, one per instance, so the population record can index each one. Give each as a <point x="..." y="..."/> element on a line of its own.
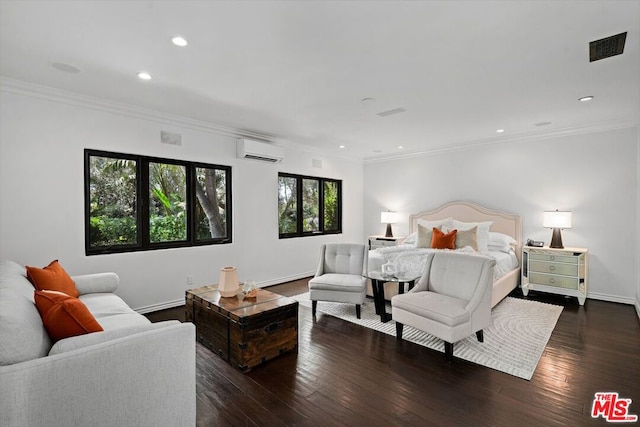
<point x="409" y="260"/>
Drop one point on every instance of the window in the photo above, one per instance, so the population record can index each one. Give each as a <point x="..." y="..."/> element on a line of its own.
<point x="308" y="205"/>
<point x="135" y="203"/>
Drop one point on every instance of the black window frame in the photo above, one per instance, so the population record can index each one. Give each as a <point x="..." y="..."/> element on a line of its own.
<point x="142" y="204"/>
<point x="299" y="220"/>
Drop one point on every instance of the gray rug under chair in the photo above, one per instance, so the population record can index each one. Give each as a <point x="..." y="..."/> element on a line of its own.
<point x="513" y="343"/>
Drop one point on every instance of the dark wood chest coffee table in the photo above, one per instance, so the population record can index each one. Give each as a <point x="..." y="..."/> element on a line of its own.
<point x="243" y="331"/>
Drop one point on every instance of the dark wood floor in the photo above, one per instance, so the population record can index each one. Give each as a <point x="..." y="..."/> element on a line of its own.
<point x="347" y="375"/>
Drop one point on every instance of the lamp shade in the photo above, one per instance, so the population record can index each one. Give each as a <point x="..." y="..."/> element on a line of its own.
<point x="388" y="217"/>
<point x="556" y="219"/>
<point x="228" y="282"/>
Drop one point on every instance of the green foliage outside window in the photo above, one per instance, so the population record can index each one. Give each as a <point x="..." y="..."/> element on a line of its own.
<point x="211" y="206"/>
<point x="308" y="205"/>
<point x="167" y="202"/>
<point x="331" y="219"/>
<point x="115" y="222"/>
<point x="287" y="202"/>
<point x="112" y="203"/>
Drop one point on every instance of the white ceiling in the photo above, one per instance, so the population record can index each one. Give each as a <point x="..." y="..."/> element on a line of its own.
<point x="296" y="71"/>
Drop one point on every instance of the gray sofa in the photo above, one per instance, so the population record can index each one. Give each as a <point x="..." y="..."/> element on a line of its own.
<point x="134" y="373"/>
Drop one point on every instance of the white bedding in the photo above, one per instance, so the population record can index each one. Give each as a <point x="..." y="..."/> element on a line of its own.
<point x="409" y="260"/>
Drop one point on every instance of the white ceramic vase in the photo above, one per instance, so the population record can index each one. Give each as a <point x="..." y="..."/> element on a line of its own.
<point x="228" y="282"/>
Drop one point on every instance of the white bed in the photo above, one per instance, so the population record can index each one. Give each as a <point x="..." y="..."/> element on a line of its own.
<point x="408" y="258"/>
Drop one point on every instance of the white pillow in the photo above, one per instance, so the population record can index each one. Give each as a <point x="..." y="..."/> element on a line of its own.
<point x="425" y="235"/>
<point x="500" y="242"/>
<point x="483" y="231"/>
<point x="466" y="238"/>
<point x="411" y="239"/>
<point x="438" y="223"/>
<point x="425" y="230"/>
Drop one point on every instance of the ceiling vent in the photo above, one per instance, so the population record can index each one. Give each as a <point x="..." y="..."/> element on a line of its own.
<point x="170" y="138"/>
<point x="607" y="47"/>
<point x="258" y="150"/>
<point x="391" y="112"/>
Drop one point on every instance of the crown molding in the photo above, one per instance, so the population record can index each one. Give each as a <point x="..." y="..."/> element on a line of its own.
<point x="474" y="144"/>
<point x="49" y="93"/>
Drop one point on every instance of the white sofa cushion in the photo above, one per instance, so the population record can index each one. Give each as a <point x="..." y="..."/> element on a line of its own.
<point x="22" y="335"/>
<point x="112" y="312"/>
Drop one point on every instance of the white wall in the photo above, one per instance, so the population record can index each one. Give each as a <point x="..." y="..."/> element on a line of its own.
<point x="593" y="175"/>
<point x="42" y="195"/>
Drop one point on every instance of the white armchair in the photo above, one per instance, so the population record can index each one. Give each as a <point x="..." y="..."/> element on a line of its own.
<point x="341" y="275"/>
<point x="451" y="301"/>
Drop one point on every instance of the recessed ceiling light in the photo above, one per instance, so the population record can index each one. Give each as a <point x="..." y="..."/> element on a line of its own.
<point x="144" y="75"/>
<point x="400" y="147"/>
<point x="500" y="130"/>
<point x="586" y="98"/>
<point x="341" y="146"/>
<point x="179" y="41"/>
<point x="367" y="101"/>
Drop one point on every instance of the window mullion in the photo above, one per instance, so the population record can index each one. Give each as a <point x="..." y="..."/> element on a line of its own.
<point x="228" y="204"/>
<point x="299" y="213"/>
<point x="339" y="205"/>
<point x="190" y="200"/>
<point x="321" y="205"/>
<point x="143" y="203"/>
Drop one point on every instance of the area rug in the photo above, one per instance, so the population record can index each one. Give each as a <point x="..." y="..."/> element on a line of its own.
<point x="513" y="343"/>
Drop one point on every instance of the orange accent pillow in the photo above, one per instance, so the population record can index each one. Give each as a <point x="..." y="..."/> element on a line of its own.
<point x="64" y="316"/>
<point x="52" y="278"/>
<point x="440" y="240"/>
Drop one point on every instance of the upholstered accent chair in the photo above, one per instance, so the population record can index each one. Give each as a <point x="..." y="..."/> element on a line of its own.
<point x="341" y="275"/>
<point x="451" y="301"/>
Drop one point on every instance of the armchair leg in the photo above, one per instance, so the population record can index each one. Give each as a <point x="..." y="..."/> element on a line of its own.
<point x="448" y="351"/>
<point x="358" y="311"/>
<point x="399" y="327"/>
<point x="480" y="335"/>
<point x="314" y="304"/>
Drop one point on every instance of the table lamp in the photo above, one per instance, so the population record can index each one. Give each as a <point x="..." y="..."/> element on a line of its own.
<point x="556" y="220"/>
<point x="388" y="218"/>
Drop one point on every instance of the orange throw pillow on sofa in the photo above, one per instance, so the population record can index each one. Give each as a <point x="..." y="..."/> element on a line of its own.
<point x="64" y="316"/>
<point x="440" y="240"/>
<point x="52" y="278"/>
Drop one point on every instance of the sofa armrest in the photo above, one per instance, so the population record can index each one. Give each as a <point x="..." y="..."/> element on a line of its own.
<point x="146" y="379"/>
<point x="96" y="283"/>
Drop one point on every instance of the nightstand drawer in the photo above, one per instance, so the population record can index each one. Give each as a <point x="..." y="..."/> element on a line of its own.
<point x="383" y="241"/>
<point x="553" y="268"/>
<point x="378" y="242"/>
<point x="569" y="259"/>
<point x="550" y="280"/>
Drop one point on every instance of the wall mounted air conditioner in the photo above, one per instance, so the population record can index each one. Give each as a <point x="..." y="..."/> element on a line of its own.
<point x="257" y="150"/>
